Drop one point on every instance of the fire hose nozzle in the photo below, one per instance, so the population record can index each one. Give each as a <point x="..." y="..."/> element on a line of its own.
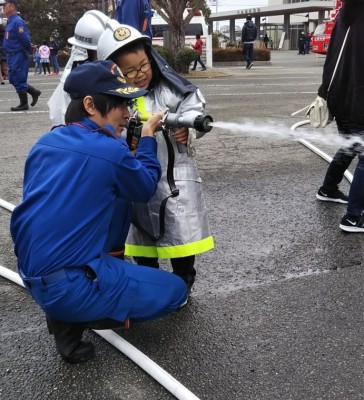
<point x="203" y="123"/>
<point x="200" y="122"/>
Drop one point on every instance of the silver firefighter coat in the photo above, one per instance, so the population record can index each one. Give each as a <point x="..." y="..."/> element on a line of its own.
<point x="186" y="227"/>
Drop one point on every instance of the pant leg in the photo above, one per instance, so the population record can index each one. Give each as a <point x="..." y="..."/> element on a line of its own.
<point x="343" y="157"/>
<point x="56" y="64"/>
<point x="250" y="51"/>
<point x="356" y="193"/>
<point x="245" y="53"/>
<point x="339" y="164"/>
<point x="147" y="262"/>
<point x="18" y="71"/>
<point x="159" y="293"/>
<point x="116" y="290"/>
<point x="201" y="63"/>
<point x="184" y="268"/>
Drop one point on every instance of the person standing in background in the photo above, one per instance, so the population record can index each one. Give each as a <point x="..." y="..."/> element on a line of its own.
<point x="3" y="63"/>
<point x="36" y="59"/>
<point x="301" y="43"/>
<point x="198" y="47"/>
<point x="84" y="44"/>
<point x="44" y="53"/>
<point x="17" y="46"/>
<point x="53" y="47"/>
<point x="248" y="35"/>
<point x="136" y="13"/>
<point x="307" y="42"/>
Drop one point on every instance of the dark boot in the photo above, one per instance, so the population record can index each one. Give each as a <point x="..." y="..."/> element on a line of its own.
<point x="183" y="267"/>
<point x="34" y="93"/>
<point x="147" y="262"/>
<point x="23" y="106"/>
<point x="68" y="341"/>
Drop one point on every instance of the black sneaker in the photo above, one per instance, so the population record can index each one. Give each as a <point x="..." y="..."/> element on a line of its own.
<point x="352" y="224"/>
<point x="250" y="65"/>
<point x="336" y="197"/>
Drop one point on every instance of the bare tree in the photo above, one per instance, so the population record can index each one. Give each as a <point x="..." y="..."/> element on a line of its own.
<point x="172" y="12"/>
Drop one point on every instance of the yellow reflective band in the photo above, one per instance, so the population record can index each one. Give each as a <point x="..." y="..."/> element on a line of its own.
<point x="141" y="105"/>
<point x="144" y="116"/>
<point x="182" y="250"/>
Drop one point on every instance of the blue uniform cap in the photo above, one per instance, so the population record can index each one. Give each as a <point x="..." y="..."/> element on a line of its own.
<point x="9" y="1"/>
<point x="99" y="77"/>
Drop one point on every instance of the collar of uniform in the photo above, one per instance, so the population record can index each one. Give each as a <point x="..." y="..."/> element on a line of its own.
<point x="91" y="126"/>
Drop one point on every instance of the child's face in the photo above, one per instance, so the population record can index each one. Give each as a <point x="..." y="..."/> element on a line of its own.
<point x="131" y="63"/>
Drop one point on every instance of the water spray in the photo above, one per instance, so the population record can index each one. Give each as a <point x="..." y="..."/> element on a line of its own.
<point x="273" y="130"/>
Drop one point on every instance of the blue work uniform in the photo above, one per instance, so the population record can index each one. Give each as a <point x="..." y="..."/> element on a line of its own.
<point x="136" y="13"/>
<point x="79" y="185"/>
<point x="17" y="47"/>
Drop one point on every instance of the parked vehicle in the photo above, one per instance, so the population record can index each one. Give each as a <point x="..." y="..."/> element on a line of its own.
<point x="322" y="34"/>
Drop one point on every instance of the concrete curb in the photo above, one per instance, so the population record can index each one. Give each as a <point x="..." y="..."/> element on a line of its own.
<point x="238" y="63"/>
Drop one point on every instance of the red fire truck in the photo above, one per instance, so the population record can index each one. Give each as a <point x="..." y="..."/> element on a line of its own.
<point x="321" y="37"/>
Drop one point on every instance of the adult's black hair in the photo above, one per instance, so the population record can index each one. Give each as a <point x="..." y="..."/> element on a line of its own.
<point x="103" y="103"/>
<point x="249" y="18"/>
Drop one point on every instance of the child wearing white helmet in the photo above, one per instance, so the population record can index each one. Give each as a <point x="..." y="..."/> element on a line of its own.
<point x="84" y="45"/>
<point x="174" y="223"/>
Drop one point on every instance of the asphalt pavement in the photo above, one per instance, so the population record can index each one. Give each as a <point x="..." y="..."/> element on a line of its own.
<point x="277" y="308"/>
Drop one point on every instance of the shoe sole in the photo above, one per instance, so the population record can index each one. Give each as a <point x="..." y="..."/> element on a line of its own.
<point x="351" y="229"/>
<point x="330" y="199"/>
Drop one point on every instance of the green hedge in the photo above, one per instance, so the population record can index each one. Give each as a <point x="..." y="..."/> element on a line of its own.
<point x="236" y="54"/>
<point x="166" y="54"/>
<point x="186" y="55"/>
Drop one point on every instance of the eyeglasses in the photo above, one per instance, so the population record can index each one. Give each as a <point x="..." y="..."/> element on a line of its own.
<point x="134" y="73"/>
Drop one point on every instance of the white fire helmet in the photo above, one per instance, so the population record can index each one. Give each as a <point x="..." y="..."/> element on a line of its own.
<point x="115" y="36"/>
<point x="89" y="29"/>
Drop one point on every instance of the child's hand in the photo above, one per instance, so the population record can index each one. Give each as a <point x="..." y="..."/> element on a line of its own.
<point x="181" y="135"/>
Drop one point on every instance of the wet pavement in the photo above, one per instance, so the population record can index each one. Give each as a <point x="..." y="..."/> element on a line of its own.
<point x="276" y="311"/>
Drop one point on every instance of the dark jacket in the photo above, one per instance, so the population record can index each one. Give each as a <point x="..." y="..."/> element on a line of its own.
<point x="249" y="32"/>
<point x="53" y="47"/>
<point x="345" y="98"/>
<point x="17" y="38"/>
<point x="301" y="38"/>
